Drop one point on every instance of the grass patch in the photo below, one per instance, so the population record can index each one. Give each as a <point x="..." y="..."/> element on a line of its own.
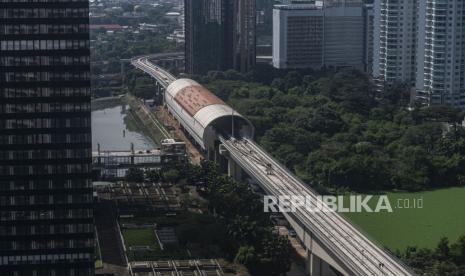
<point x="442" y="215"/>
<point x="142" y="237"/>
<point x="146" y="237"/>
<point x="200" y="233"/>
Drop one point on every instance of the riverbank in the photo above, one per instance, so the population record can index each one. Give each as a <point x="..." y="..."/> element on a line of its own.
<point x="145" y="120"/>
<point x="139" y="118"/>
<point x="106" y="102"/>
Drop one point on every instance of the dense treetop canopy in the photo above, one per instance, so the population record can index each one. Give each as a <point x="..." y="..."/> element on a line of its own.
<point x="338" y="133"/>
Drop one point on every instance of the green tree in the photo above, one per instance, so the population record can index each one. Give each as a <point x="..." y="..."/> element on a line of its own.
<point x="153" y="175"/>
<point x="275" y="256"/>
<point x="135" y="175"/>
<point x="246" y="255"/>
<point x="171" y="176"/>
<point x="443" y="250"/>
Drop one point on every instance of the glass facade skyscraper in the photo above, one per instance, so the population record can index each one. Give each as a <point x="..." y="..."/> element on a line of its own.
<point x="243" y="33"/>
<point x="46" y="222"/>
<point x="204" y="29"/>
<point x="220" y="35"/>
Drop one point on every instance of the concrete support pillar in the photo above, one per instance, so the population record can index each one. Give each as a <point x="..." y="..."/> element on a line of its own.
<point x="314" y="265"/>
<point x="319" y="267"/>
<point x="234" y="170"/>
<point x="213" y="154"/>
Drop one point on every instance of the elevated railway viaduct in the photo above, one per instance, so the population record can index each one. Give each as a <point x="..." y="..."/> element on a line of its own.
<point x="334" y="245"/>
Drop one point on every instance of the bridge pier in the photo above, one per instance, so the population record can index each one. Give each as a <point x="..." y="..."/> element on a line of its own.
<point x="234" y="170"/>
<point x="314" y="264"/>
<point x="223" y="158"/>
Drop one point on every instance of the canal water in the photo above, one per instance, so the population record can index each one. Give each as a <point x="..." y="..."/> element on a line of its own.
<point x="114" y="129"/>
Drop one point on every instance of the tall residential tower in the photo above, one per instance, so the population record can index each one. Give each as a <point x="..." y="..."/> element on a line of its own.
<point x="46" y="224"/>
<point x="422" y="42"/>
<point x="395" y="36"/>
<point x="441" y="57"/>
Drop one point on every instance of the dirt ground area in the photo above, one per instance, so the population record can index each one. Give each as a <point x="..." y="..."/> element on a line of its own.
<point x="174" y="128"/>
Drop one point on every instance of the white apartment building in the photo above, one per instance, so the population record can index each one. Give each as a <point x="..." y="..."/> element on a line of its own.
<point x="422" y="42"/>
<point x="441" y="62"/>
<point x="314" y="35"/>
<point x="394" y="40"/>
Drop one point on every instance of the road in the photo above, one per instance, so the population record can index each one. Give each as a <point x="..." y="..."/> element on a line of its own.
<point x="359" y="254"/>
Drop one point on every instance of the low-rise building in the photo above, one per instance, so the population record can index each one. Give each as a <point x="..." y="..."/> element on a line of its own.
<point x="115" y="164"/>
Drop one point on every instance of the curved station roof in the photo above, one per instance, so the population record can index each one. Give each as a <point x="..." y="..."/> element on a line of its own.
<point x="197" y="108"/>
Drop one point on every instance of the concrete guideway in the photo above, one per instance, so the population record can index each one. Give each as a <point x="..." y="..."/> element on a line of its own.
<point x="344" y="247"/>
<point x="162" y="76"/>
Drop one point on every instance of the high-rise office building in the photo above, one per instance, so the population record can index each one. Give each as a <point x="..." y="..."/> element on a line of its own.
<point x="204" y="31"/>
<point x="298" y="36"/>
<point x="242" y="33"/>
<point x="422" y="42"/>
<point x="220" y="35"/>
<point x="317" y="34"/>
<point x="46" y="223"/>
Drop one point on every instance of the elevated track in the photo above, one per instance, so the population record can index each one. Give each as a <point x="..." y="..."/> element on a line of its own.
<point x="360" y="255"/>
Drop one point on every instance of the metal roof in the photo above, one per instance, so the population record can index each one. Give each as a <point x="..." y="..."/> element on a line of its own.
<point x="209" y="113"/>
<point x="198" y="103"/>
<point x="193" y="98"/>
<point x="178" y="85"/>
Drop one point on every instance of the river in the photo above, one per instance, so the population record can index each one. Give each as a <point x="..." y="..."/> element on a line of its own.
<point x="114" y="129"/>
